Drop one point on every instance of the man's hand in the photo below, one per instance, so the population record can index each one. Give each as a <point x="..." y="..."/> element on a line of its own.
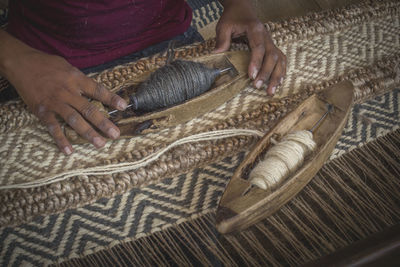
<point x="268" y="63"/>
<point x="51" y="87"/>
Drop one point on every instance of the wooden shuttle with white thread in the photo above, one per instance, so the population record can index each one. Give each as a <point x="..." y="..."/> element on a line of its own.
<point x="244" y="204"/>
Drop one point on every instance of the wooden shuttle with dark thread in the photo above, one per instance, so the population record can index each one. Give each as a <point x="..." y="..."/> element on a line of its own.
<point x="194" y="88"/>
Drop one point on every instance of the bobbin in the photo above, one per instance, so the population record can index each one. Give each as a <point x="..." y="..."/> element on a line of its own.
<point x="243" y="204"/>
<point x="225" y="87"/>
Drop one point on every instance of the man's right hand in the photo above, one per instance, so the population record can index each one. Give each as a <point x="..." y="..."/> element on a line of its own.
<point x="51" y="87"/>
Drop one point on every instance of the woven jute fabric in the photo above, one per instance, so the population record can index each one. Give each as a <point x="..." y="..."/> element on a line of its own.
<point x="341" y="205"/>
<point x="350" y="199"/>
<point x="359" y="43"/>
<point x="51" y="224"/>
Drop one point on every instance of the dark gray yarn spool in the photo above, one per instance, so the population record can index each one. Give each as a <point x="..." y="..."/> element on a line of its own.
<point x="173" y="84"/>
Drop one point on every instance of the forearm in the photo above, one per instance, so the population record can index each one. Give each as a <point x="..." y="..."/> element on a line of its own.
<point x="53" y="88"/>
<point x="10" y="50"/>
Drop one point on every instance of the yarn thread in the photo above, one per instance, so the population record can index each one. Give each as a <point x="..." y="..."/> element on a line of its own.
<point x="128" y="166"/>
<point x="282" y="159"/>
<point x="173" y="84"/>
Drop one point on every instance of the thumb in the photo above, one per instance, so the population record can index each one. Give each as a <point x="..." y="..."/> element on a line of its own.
<point x="223" y="39"/>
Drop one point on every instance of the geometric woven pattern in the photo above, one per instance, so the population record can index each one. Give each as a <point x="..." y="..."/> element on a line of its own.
<point x="205" y="12"/>
<point x="325" y="57"/>
<point x="316" y="54"/>
<point x="360" y="44"/>
<point x="141" y="212"/>
<point x="370" y="30"/>
<point x="370" y="120"/>
<point x="130" y="215"/>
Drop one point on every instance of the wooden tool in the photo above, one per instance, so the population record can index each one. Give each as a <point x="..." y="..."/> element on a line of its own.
<point x="242" y="204"/>
<point x="230" y="83"/>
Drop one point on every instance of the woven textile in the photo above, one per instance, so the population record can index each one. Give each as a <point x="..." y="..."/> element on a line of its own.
<point x="351" y="198"/>
<point x="205" y="16"/>
<point x="364" y="40"/>
<point x="141" y="212"/>
<point x="326" y="48"/>
<point x="360" y="43"/>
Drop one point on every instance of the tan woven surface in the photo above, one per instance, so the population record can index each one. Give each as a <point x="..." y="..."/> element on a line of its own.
<point x="359" y="43"/>
<point x="349" y="199"/>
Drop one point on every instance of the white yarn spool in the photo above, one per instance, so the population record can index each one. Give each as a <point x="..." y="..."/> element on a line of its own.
<point x="282" y="159"/>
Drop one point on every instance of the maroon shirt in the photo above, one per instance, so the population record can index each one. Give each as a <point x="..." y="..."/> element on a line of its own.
<point x="89" y="33"/>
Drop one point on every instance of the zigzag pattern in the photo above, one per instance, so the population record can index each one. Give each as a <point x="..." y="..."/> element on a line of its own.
<point x="205" y="12"/>
<point x="139" y="212"/>
<point x="325" y="57"/>
<point x="368" y="121"/>
<point x="49" y="239"/>
<point x="311" y="60"/>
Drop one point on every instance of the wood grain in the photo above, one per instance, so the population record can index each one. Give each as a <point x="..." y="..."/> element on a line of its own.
<point x="225" y="88"/>
<point x="242" y="204"/>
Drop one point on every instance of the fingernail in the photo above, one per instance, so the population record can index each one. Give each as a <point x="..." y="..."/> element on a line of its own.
<point x="113" y="133"/>
<point x="259" y="84"/>
<point x="99" y="142"/>
<point x="254" y="74"/>
<point x="273" y="89"/>
<point x="122" y="104"/>
<point x="281" y="80"/>
<point x="67" y="150"/>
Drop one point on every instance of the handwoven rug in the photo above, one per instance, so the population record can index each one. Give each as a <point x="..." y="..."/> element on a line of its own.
<point x="351" y="198"/>
<point x="359" y="43"/>
<point x="347" y="200"/>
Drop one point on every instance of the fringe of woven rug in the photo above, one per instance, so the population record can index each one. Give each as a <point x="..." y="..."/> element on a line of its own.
<point x="351" y="198"/>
